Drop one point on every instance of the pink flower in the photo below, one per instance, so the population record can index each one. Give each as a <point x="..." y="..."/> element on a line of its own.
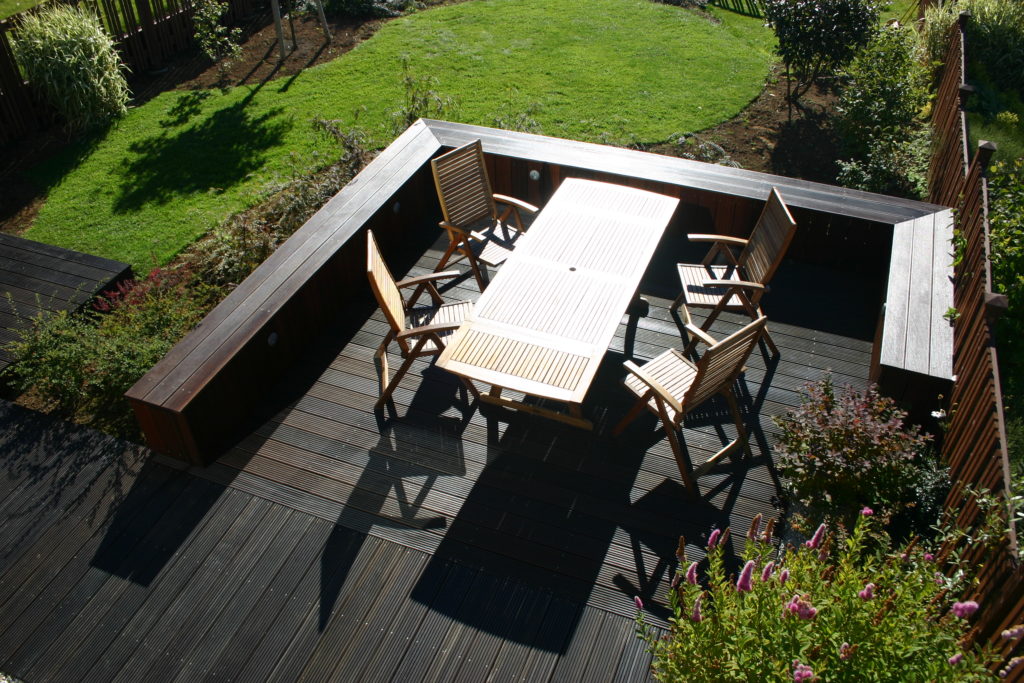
<point x="1010" y="666"/>
<point x="845" y="651"/>
<point x="783" y="577"/>
<point x="691" y="574"/>
<point x="638" y="602"/>
<point x="766" y="573"/>
<point x="939" y="579"/>
<point x="868" y="592"/>
<point x="955" y="659"/>
<point x="801" y="607"/>
<point x="928" y="557"/>
<point x="713" y="538"/>
<point x="755" y="527"/>
<point x="964" y="609"/>
<point x="816" y="538"/>
<point x="676" y="578"/>
<point x="866" y="511"/>
<point x="801" y="672"/>
<point x="696" y="615"/>
<point x="743" y="583"/>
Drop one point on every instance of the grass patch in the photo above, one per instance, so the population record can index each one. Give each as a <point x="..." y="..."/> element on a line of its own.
<point x="996" y="115"/>
<point x="617" y="71"/>
<point x="9" y="8"/>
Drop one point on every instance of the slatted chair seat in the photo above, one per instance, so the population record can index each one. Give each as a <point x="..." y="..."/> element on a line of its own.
<point x="477" y="231"/>
<point x="671" y="385"/>
<point x="739" y="284"/>
<point x="694" y="279"/>
<point x="418" y="331"/>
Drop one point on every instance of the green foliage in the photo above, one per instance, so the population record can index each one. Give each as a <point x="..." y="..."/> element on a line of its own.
<point x="81" y="365"/>
<point x="71" y="61"/>
<point x="819" y="37"/>
<point x="215" y="39"/>
<point x="368" y="8"/>
<point x="887" y="88"/>
<point x="421" y="101"/>
<point x="894" y="166"/>
<point x="833" y="609"/>
<point x="1006" y="219"/>
<point x="843" y="449"/>
<point x="995" y="37"/>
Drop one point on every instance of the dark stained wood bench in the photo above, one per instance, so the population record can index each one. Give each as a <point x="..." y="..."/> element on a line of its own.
<point x="192" y="403"/>
<point x="40" y="278"/>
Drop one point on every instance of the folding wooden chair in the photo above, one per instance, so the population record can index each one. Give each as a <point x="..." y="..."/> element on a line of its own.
<point x="671" y="385"/>
<point x="419" y="331"/>
<point x="476" y="230"/>
<point x="739" y="284"/>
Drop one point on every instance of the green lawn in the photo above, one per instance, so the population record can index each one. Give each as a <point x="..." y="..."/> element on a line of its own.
<point x="601" y="70"/>
<point x="11" y="7"/>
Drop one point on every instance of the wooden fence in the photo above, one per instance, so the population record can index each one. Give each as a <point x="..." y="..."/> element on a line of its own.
<point x="147" y="33"/>
<point x="974" y="446"/>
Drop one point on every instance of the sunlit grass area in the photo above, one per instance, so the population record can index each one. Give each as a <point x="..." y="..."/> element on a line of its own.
<point x="604" y="70"/>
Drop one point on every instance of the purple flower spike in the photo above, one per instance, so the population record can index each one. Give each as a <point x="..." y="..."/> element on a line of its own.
<point x="743" y="583"/>
<point x="801" y="672"/>
<point x="783" y="577"/>
<point x="696" y="614"/>
<point x="1013" y="633"/>
<point x="866" y="511"/>
<point x="845" y="651"/>
<point x="928" y="557"/>
<point x="713" y="538"/>
<point x="638" y="602"/>
<point x="816" y="538"/>
<point x="964" y="609"/>
<point x="955" y="659"/>
<point x="691" y="574"/>
<point x="766" y="573"/>
<point x="868" y="592"/>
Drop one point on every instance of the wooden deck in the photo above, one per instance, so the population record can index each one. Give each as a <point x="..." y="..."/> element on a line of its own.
<point x="39" y="278"/>
<point x="445" y="543"/>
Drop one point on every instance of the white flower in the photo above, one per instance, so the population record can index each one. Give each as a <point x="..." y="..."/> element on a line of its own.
<point x="938" y="414"/>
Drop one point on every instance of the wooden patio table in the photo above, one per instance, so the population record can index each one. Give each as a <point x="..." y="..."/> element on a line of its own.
<point x="542" y="326"/>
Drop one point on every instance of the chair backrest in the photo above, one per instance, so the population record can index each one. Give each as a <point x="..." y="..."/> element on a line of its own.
<point x="383" y="285"/>
<point x="463" y="186"/>
<point x="769" y="240"/>
<point x="722" y="363"/>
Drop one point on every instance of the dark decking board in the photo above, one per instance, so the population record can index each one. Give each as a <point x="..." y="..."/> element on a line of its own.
<point x="447" y="544"/>
<point x="39" y="278"/>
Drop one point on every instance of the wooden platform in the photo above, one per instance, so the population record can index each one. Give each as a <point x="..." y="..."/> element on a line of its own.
<point x="38" y="278"/>
<point x="443" y="543"/>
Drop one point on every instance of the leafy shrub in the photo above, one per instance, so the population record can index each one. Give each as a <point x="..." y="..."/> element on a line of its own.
<point x="421" y="100"/>
<point x="819" y="37"/>
<point x="368" y="8"/>
<point x="843" y="449"/>
<point x="894" y="166"/>
<point x="215" y="39"/>
<point x="67" y="56"/>
<point x="832" y="609"/>
<point x="82" y="364"/>
<point x="887" y="88"/>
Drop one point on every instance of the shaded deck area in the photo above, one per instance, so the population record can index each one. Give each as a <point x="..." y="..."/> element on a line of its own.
<point x="40" y="278"/>
<point x="441" y="541"/>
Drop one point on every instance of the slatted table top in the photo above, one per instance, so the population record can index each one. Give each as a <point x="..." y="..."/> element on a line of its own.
<point x="545" y="321"/>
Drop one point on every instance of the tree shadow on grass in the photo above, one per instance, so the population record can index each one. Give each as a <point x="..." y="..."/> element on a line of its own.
<point x="210" y="155"/>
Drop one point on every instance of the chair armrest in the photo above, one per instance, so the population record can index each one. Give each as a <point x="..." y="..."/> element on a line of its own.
<point x="428" y="329"/>
<point x="652" y="384"/>
<point x="723" y="239"/>
<point x="518" y="203"/>
<point x="738" y="284"/>
<point x="430" y="277"/>
<point x="700" y="334"/>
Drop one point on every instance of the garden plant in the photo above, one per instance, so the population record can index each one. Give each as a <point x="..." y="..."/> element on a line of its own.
<point x="71" y="61"/>
<point x="834" y="608"/>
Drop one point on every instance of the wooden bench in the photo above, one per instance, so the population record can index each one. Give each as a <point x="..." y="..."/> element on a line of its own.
<point x="914" y="344"/>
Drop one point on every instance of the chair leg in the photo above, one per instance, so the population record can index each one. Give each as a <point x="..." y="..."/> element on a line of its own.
<point x="476" y="269"/>
<point x="638" y="406"/>
<point x="389" y="387"/>
<point x="447" y="255"/>
<point x="679" y="301"/>
<point x="741" y="431"/>
<point x="677" y="451"/>
<point x="768" y="340"/>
